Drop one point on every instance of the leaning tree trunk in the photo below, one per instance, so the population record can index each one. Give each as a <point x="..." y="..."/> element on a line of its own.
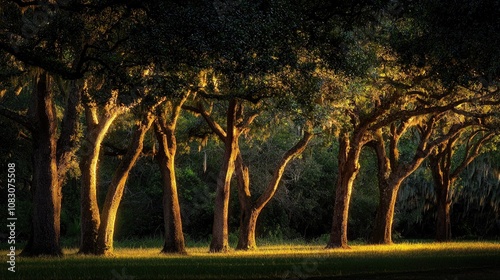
<point x="46" y="190"/>
<point x="348" y="170"/>
<point x="219" y="241"/>
<point x="174" y="236"/>
<point x="250" y="211"/>
<point x="115" y="191"/>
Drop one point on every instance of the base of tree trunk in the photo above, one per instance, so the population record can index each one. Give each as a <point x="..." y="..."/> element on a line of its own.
<point x="173" y="250"/>
<point x="106" y="254"/>
<point x="219" y="249"/>
<point x="246" y="247"/>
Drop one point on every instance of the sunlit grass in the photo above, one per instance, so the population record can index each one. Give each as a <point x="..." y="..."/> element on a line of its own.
<point x="270" y="261"/>
<point x="294" y="250"/>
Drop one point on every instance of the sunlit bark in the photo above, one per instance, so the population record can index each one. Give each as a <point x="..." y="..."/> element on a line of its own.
<point x="165" y="127"/>
<point x="115" y="190"/>
<point x="97" y="128"/>
<point x="220" y="230"/>
<point x="348" y="162"/>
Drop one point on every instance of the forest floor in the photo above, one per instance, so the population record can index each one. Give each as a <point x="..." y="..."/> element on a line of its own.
<point x="454" y="260"/>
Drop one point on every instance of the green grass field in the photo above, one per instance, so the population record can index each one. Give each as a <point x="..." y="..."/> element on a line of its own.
<point x="455" y="260"/>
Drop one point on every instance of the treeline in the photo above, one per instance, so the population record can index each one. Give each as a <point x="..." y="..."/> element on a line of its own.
<point x="98" y="87"/>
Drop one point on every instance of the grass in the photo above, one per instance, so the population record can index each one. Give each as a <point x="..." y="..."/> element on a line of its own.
<point x="454" y="260"/>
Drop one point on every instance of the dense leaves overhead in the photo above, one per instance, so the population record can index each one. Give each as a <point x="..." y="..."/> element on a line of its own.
<point x="458" y="38"/>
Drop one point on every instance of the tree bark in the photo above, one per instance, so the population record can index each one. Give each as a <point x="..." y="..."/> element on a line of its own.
<point x="46" y="189"/>
<point x="68" y="140"/>
<point x="348" y="170"/>
<point x="97" y="127"/>
<point x="165" y="135"/>
<point x="250" y="211"/>
<point x="248" y="225"/>
<point x="382" y="231"/>
<point x="443" y="219"/>
<point x="115" y="190"/>
<point x="219" y="241"/>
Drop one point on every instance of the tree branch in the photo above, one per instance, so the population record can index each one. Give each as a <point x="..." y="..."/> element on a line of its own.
<point x="16" y="117"/>
<point x="216" y="128"/>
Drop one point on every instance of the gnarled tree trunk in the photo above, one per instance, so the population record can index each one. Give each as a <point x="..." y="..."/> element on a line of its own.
<point x="391" y="174"/>
<point x="165" y="135"/>
<point x="46" y="189"/>
<point x="348" y="170"/>
<point x="97" y="127"/>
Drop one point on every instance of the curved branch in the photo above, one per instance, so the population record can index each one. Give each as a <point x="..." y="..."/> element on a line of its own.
<point x="216" y="128"/>
<point x="272" y="187"/>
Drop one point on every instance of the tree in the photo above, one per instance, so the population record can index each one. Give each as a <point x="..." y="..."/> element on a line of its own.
<point x="98" y="125"/>
<point x="52" y="156"/>
<point x="61" y="40"/>
<point x="165" y="127"/>
<point x="251" y="209"/>
<point x="393" y="170"/>
<point x="443" y="48"/>
<point x="98" y="227"/>
<point x="445" y="171"/>
<point x="234" y="127"/>
<point x="117" y="186"/>
<point x="47" y="191"/>
<point x="390" y="96"/>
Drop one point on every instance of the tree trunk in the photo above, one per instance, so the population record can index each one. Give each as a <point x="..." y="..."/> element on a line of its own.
<point x="443" y="220"/>
<point x="90" y="214"/>
<point x="391" y="174"/>
<point x="250" y="211"/>
<point x="388" y="187"/>
<point x="445" y="178"/>
<point x="382" y="231"/>
<point x="46" y="190"/>
<point x="115" y="191"/>
<point x="174" y="236"/>
<point x="219" y="241"/>
<point x="248" y="224"/>
<point x="348" y="170"/>
<point x="246" y="238"/>
<point x="68" y="140"/>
